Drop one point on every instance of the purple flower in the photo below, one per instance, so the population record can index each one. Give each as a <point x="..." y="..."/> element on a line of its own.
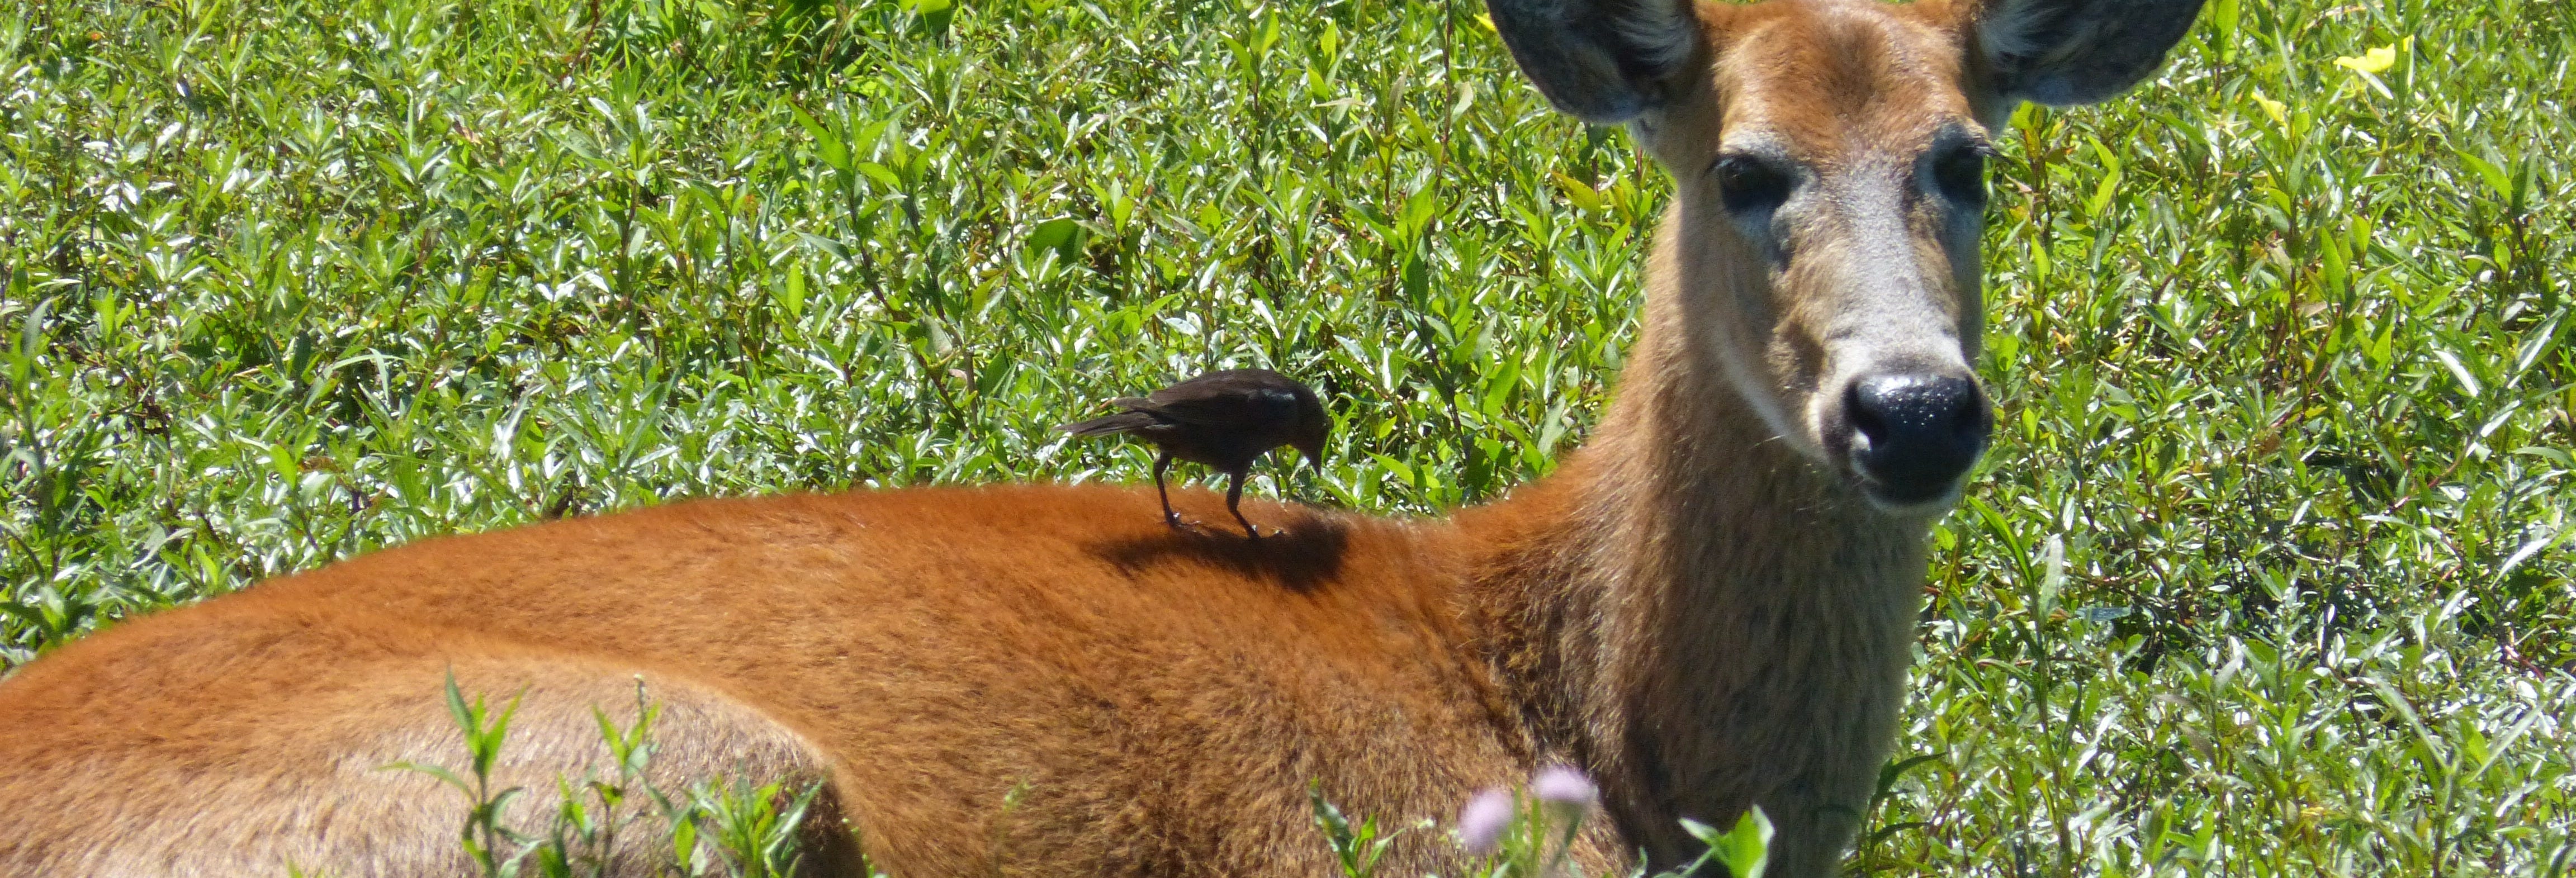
<point x="1565" y="792"/>
<point x="1481" y="823"/>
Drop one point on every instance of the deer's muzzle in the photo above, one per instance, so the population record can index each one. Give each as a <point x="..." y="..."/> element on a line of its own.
<point x="1911" y="436"/>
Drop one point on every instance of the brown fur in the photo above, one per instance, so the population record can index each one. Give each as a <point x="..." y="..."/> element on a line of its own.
<point x="1698" y="608"/>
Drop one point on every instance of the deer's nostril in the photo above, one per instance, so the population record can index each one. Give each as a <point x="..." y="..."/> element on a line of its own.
<point x="1915" y="433"/>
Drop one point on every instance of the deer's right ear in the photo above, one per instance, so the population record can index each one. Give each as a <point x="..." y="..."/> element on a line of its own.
<point x="1602" y="61"/>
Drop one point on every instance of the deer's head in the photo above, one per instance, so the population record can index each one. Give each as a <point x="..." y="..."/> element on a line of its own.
<point x="1829" y="166"/>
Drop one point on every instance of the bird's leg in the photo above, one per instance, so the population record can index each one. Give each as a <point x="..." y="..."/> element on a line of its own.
<point x="1163" y="462"/>
<point x="1234" y="503"/>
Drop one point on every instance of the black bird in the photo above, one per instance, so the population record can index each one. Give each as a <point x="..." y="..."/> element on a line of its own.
<point x="1224" y="420"/>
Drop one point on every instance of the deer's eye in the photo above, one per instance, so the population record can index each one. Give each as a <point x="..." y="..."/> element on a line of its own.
<point x="1961" y="174"/>
<point x="1751" y="185"/>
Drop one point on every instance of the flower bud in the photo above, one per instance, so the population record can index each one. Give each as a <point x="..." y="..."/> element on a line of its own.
<point x="1482" y="822"/>
<point x="1567" y="795"/>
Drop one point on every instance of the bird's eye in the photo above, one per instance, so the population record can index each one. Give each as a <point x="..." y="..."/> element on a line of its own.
<point x="1751" y="185"/>
<point x="1962" y="175"/>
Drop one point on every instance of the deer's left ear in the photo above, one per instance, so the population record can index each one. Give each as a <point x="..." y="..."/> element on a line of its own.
<point x="2061" y="52"/>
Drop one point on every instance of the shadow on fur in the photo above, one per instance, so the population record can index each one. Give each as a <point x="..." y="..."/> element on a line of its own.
<point x="1309" y="555"/>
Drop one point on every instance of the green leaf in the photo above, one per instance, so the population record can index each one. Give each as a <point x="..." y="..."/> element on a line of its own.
<point x="1061" y="236"/>
<point x="834" y="151"/>
<point x="2458" y="370"/>
<point x="884" y="176"/>
<point x="443" y="775"/>
<point x="2499" y="182"/>
<point x="1419" y="211"/>
<point x="1745" y="851"/>
<point x="1581" y="195"/>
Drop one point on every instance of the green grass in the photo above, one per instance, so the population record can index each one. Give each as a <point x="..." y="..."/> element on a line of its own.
<point x="291" y="281"/>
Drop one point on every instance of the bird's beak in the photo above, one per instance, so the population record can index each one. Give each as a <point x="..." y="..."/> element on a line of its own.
<point x="1316" y="457"/>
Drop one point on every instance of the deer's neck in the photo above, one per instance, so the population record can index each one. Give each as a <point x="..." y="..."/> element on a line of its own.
<point x="1691" y="609"/>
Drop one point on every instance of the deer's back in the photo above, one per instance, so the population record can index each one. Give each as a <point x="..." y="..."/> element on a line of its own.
<point x="1155" y="697"/>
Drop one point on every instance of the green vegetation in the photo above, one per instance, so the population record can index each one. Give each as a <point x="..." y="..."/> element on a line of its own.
<point x="2266" y="575"/>
<point x="713" y="828"/>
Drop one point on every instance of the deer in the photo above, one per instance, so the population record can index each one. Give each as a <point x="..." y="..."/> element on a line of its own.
<point x="1708" y="607"/>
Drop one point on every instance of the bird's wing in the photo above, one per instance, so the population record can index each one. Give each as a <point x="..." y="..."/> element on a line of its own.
<point x="1122" y="422"/>
<point x="1234" y="410"/>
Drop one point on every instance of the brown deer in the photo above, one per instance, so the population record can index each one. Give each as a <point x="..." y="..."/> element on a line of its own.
<point x="1708" y="607"/>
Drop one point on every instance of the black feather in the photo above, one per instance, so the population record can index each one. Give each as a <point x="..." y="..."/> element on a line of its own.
<point x="1224" y="420"/>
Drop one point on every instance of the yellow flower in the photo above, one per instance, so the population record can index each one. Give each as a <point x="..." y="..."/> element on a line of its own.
<point x="2377" y="60"/>
<point x="2279" y="112"/>
<point x="2367" y="66"/>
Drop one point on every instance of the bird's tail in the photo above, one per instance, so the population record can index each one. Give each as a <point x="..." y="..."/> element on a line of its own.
<point x="1121" y="422"/>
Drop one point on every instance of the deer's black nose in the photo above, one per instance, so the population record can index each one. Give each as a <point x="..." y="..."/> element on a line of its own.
<point x="1915" y="433"/>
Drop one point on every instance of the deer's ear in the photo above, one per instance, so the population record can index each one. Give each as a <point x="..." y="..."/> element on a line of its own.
<point x="2061" y="52"/>
<point x="1603" y="61"/>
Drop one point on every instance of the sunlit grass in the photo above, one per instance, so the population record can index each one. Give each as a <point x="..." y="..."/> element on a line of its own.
<point x="2266" y="575"/>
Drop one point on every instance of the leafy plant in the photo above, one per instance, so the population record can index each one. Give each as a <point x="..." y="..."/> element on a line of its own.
<point x="1356" y="846"/>
<point x="482" y="835"/>
<point x="1744" y="850"/>
<point x="718" y="826"/>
